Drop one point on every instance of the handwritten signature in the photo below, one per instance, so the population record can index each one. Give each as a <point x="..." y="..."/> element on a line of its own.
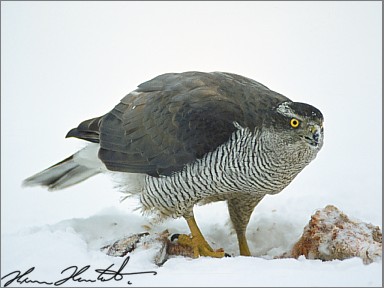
<point x="74" y="274"/>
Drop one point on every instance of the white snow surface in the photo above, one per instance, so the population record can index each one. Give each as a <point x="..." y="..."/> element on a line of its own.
<point x="55" y="246"/>
<point x="65" y="62"/>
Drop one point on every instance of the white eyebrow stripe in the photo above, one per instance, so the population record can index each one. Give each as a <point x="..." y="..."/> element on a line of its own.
<point x="285" y="110"/>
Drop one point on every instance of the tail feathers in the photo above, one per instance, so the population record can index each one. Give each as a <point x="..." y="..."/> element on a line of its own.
<point x="61" y="175"/>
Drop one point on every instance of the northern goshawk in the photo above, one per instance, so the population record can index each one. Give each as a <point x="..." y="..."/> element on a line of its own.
<point x="190" y="138"/>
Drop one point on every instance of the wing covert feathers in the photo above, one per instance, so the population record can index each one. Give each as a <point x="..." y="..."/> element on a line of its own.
<point x="176" y="118"/>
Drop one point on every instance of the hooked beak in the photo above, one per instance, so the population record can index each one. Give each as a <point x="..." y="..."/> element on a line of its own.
<point x="314" y="136"/>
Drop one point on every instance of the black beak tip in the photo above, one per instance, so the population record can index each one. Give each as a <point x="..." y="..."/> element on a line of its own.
<point x="316" y="137"/>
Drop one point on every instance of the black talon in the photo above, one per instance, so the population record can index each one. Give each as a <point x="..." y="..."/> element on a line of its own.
<point x="175" y="236"/>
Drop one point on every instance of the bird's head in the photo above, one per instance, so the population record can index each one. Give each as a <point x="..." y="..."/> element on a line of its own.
<point x="303" y="122"/>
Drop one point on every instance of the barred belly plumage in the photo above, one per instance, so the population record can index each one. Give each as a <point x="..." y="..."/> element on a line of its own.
<point x="247" y="163"/>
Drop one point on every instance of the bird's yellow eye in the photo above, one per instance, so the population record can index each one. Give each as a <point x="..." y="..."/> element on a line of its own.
<point x="295" y="123"/>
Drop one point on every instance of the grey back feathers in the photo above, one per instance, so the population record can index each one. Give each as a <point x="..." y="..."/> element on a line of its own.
<point x="174" y="119"/>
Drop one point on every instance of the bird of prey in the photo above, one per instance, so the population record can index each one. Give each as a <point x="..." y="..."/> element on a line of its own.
<point x="190" y="138"/>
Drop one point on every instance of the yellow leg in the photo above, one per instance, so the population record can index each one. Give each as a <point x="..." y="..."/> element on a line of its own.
<point x="197" y="242"/>
<point x="243" y="245"/>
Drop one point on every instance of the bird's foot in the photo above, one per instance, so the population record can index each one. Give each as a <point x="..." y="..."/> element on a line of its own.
<point x="199" y="245"/>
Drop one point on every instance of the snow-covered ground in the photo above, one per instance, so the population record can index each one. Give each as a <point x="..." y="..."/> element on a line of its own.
<point x="276" y="225"/>
<point x="66" y="62"/>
